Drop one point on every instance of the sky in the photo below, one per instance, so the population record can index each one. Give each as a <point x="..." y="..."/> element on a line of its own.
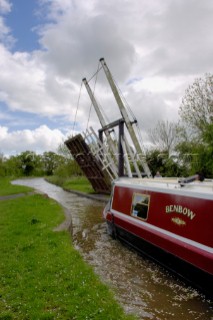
<point x="154" y="49"/>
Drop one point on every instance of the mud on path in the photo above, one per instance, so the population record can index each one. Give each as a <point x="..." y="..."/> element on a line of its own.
<point x="17" y="195"/>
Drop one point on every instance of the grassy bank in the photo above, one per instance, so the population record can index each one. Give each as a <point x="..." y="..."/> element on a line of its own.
<point x="78" y="183"/>
<point x="7" y="188"/>
<point x="42" y="275"/>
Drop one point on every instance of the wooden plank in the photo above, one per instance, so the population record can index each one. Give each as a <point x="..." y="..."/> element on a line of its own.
<point x="88" y="163"/>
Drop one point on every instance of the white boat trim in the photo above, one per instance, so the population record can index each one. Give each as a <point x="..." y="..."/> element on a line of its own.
<point x="167" y="188"/>
<point x="165" y="232"/>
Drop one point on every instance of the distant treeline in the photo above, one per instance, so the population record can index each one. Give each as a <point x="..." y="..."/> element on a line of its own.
<point x="28" y="163"/>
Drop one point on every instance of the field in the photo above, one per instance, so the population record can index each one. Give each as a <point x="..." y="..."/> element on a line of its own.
<point x="42" y="275"/>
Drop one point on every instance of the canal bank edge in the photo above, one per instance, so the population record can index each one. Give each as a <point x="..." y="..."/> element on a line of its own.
<point x="98" y="197"/>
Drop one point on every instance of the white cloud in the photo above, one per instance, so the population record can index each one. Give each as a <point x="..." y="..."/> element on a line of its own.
<point x="39" y="140"/>
<point x="154" y="49"/>
<point x="3" y="132"/>
<point x="5" y="6"/>
<point x="26" y="85"/>
<point x="5" y="32"/>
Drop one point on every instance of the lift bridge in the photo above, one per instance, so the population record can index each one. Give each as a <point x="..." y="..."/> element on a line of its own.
<point x="103" y="160"/>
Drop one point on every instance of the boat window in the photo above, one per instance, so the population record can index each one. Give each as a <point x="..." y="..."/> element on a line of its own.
<point x="140" y="205"/>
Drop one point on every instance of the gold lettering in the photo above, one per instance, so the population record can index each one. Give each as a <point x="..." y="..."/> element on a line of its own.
<point x="179" y="209"/>
<point x="176" y="208"/>
<point x="185" y="211"/>
<point x="191" y="215"/>
<point x="167" y="209"/>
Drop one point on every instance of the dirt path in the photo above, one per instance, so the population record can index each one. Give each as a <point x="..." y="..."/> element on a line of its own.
<point x="17" y="195"/>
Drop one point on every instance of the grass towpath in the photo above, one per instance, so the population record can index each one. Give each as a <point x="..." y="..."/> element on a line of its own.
<point x="42" y="275"/>
<point x="6" y="188"/>
<point x="78" y="183"/>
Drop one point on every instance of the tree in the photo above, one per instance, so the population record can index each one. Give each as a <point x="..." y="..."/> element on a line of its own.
<point x="70" y="167"/>
<point x="164" y="136"/>
<point x="195" y="157"/>
<point x="196" y="110"/>
<point x="208" y="135"/>
<point x="195" y="154"/>
<point x="51" y="161"/>
<point x="2" y="167"/>
<point x="167" y="166"/>
<point x="29" y="162"/>
<point x="13" y="166"/>
<point x="195" y="148"/>
<point x="64" y="151"/>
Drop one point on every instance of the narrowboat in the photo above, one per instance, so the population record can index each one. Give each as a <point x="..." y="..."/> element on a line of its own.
<point x="169" y="221"/>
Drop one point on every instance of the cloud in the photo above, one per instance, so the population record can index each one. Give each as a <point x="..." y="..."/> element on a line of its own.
<point x="5" y="32"/>
<point x="178" y="38"/>
<point x="154" y="50"/>
<point x="39" y="140"/>
<point x="5" y="6"/>
<point x="74" y="46"/>
<point x="26" y="85"/>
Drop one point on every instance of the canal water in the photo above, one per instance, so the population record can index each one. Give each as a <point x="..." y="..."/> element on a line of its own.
<point x="141" y="286"/>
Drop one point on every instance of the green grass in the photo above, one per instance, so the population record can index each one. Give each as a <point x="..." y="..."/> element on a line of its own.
<point x="79" y="183"/>
<point x="42" y="275"/>
<point x="7" y="188"/>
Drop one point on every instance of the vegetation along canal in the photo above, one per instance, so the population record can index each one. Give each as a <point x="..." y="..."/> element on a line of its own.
<point x="141" y="286"/>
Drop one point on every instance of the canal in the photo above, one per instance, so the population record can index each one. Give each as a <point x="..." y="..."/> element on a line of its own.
<point x="141" y="286"/>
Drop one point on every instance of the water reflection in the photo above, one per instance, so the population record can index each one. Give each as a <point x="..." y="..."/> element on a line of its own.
<point x="141" y="286"/>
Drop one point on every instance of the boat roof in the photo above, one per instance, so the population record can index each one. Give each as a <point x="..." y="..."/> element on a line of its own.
<point x="170" y="185"/>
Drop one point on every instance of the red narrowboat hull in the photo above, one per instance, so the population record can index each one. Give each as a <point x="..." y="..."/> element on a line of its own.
<point x="165" y="217"/>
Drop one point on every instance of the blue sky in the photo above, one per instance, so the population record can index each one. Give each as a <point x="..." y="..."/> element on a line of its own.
<point x="22" y="20"/>
<point x="155" y="50"/>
